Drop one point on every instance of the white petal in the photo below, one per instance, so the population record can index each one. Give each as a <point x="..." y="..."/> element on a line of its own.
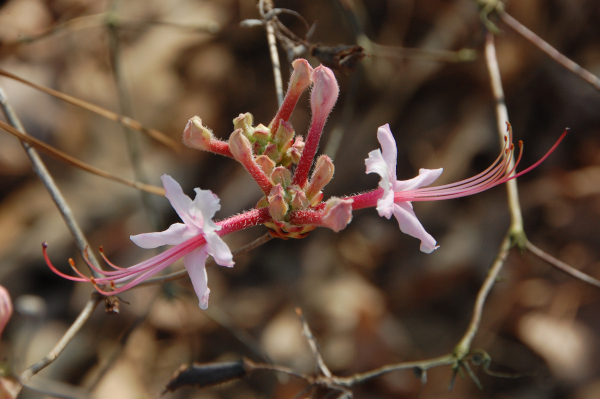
<point x="409" y="224"/>
<point x="425" y="178"/>
<point x="388" y="149"/>
<point x="194" y="263"/>
<point x="179" y="201"/>
<point x="204" y="207"/>
<point x="385" y="204"/>
<point x="376" y="164"/>
<point x="175" y="234"/>
<point x="217" y="248"/>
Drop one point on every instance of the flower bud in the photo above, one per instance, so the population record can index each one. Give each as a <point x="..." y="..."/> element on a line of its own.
<point x="296" y="150"/>
<point x="324" y="94"/>
<point x="300" y="201"/>
<point x="299" y="81"/>
<point x="284" y="136"/>
<point x="266" y="164"/>
<point x="277" y="206"/>
<point x="262" y="134"/>
<point x="337" y="213"/>
<point x="323" y="173"/>
<point x="244" y="122"/>
<point x="197" y="136"/>
<point x="281" y="175"/>
<point x="240" y="146"/>
<point x="272" y="152"/>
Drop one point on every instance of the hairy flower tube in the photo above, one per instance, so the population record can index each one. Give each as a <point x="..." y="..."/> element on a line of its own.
<point x="292" y="204"/>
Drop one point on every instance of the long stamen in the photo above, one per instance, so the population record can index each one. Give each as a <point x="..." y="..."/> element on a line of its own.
<point x="55" y="270"/>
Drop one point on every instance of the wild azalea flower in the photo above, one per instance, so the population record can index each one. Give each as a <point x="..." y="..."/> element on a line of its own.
<point x="280" y="162"/>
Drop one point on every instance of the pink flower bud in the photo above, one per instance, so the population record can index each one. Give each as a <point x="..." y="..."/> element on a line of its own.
<point x="196" y="135"/>
<point x="300" y="201"/>
<point x="242" y="151"/>
<point x="337" y="214"/>
<point x="240" y="146"/>
<point x="266" y="164"/>
<point x="324" y="94"/>
<point x="262" y="134"/>
<point x="322" y="174"/>
<point x="6" y="308"/>
<point x="299" y="81"/>
<point x="277" y="206"/>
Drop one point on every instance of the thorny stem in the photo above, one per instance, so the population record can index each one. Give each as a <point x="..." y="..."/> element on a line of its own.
<point x="516" y="225"/>
<point x="562" y="266"/>
<point x="83" y="317"/>
<point x="264" y="7"/>
<point x="551" y="51"/>
<point x="40" y="169"/>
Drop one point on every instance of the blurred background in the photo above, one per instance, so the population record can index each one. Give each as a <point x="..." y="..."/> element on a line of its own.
<point x="370" y="296"/>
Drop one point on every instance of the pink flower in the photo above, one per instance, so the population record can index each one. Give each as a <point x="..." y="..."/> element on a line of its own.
<point x="196" y="216"/>
<point x="194" y="239"/>
<point x="383" y="162"/>
<point x="6" y="308"/>
<point x="394" y="197"/>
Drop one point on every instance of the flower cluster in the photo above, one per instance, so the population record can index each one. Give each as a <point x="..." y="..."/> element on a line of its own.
<point x="280" y="162"/>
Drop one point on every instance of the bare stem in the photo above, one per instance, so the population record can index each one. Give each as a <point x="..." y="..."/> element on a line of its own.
<point x="464" y="346"/>
<point x="314" y="345"/>
<point x="562" y="266"/>
<point x="264" y="7"/>
<point x="516" y="225"/>
<point x="83" y="317"/>
<point x="40" y="169"/>
<point x="551" y="51"/>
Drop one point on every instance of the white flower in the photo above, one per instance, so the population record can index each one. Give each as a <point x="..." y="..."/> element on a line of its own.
<point x="196" y="216"/>
<point x="383" y="162"/>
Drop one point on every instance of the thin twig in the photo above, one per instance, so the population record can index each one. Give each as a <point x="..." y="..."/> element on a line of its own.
<point x="40" y="169"/>
<point x="123" y="120"/>
<point x="418" y="365"/>
<point x="264" y="7"/>
<point x="562" y="266"/>
<point x="516" y="225"/>
<point x="314" y="345"/>
<point x="125" y="108"/>
<point x="83" y="317"/>
<point x="551" y="51"/>
<point x="464" y="346"/>
<point x="209" y="262"/>
<point x="69" y="160"/>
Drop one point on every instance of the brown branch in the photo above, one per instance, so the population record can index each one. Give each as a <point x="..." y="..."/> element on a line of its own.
<point x="551" y="51"/>
<point x="69" y="160"/>
<point x="562" y="266"/>
<point x="83" y="317"/>
<point x="314" y="345"/>
<point x="265" y="6"/>
<point x="123" y="120"/>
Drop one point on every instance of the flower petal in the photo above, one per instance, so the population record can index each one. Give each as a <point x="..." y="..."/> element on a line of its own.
<point x="388" y="149"/>
<point x="194" y="263"/>
<point x="175" y="234"/>
<point x="425" y="178"/>
<point x="217" y="248"/>
<point x="179" y="201"/>
<point x="202" y="210"/>
<point x="409" y="224"/>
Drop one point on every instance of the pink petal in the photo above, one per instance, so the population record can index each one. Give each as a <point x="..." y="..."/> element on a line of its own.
<point x="179" y="201"/>
<point x="217" y="248"/>
<point x="194" y="263"/>
<point x="338" y="213"/>
<point x="425" y="178"/>
<point x="204" y="207"/>
<point x="409" y="224"/>
<point x="388" y="149"/>
<point x="174" y="235"/>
